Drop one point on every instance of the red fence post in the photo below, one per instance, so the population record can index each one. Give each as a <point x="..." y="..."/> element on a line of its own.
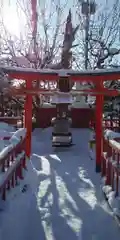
<point x="28" y="118"/>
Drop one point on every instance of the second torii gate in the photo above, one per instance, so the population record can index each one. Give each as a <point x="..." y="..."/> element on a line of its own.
<point x="96" y="76"/>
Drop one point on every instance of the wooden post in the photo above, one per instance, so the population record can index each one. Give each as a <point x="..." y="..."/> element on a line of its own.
<point x="99" y="110"/>
<point x="28" y="118"/>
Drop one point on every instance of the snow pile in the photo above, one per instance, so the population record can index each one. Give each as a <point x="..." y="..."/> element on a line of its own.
<point x="5" y="151"/>
<point x="20" y="133"/>
<point x="115" y="144"/>
<point x="113" y="201"/>
<point x="109" y="134"/>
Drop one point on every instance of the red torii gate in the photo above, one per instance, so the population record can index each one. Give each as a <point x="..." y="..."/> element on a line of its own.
<point x="95" y="76"/>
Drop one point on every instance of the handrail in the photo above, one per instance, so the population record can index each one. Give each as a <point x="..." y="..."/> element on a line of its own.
<point x="12" y="162"/>
<point x="111" y="164"/>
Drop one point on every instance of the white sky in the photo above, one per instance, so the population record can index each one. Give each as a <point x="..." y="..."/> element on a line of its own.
<point x="11" y="20"/>
<point x="14" y="20"/>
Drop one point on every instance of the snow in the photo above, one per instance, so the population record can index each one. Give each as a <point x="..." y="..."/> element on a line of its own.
<point x="63" y="198"/>
<point x="5" y="151"/>
<point x="113" y="201"/>
<point x="16" y="137"/>
<point x="6" y="146"/>
<point x="20" y="133"/>
<point x="109" y="134"/>
<point x="61" y="72"/>
<point x="115" y="144"/>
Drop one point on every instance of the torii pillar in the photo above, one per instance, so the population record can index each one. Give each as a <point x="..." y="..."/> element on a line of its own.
<point x="99" y="112"/>
<point x="28" y="118"/>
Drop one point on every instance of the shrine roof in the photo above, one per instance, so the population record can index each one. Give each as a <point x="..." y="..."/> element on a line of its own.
<point x="106" y="74"/>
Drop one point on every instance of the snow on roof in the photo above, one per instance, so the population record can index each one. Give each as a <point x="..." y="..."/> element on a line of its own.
<point x="61" y="72"/>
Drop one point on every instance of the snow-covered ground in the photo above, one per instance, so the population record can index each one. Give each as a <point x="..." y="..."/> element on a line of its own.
<point x="63" y="199"/>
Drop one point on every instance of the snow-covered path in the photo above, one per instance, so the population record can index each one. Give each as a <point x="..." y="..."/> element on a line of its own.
<point x="63" y="200"/>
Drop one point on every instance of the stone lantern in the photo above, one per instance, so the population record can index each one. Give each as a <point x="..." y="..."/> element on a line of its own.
<point x="61" y="135"/>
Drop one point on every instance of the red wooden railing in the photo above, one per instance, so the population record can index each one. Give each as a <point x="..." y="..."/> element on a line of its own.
<point x="12" y="163"/>
<point x="111" y="164"/>
<point x="108" y="124"/>
<point x="110" y="156"/>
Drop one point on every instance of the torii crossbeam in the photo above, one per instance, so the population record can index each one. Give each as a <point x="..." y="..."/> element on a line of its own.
<point x="95" y="76"/>
<point x="43" y="74"/>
